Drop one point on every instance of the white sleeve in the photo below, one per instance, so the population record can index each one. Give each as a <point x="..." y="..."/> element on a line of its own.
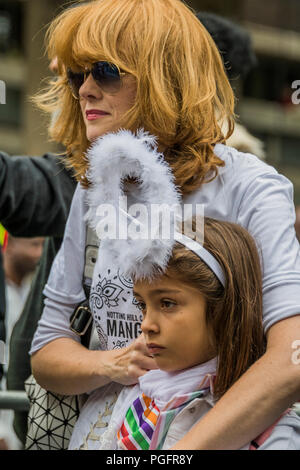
<point x="286" y="434"/>
<point x="64" y="288"/>
<point x="266" y="210"/>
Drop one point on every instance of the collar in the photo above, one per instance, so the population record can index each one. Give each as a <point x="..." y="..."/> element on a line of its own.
<point x="170" y="389"/>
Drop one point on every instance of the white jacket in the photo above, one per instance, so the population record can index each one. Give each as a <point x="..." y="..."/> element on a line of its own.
<point x="101" y="418"/>
<point x="285" y="435"/>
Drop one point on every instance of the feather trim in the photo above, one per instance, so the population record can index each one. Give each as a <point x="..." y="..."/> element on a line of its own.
<point x="113" y="159"/>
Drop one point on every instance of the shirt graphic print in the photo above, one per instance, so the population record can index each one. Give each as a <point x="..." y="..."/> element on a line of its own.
<point x="116" y="316"/>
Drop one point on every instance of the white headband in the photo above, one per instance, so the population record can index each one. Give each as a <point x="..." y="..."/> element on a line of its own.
<point x="203" y="254"/>
<point x="112" y="159"/>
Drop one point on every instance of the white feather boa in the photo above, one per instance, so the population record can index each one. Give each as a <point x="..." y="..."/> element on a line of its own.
<point x="113" y="159"/>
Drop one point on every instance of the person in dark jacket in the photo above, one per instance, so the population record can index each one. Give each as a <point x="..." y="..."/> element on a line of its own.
<point x="35" y="197"/>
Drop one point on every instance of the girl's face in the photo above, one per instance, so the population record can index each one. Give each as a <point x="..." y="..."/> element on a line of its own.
<point x="174" y="324"/>
<point x="102" y="112"/>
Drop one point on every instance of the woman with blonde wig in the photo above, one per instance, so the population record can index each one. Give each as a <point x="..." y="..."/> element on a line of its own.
<point x="151" y="65"/>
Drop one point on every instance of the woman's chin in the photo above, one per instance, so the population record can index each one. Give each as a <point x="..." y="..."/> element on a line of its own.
<point x="93" y="132"/>
<point x="92" y="136"/>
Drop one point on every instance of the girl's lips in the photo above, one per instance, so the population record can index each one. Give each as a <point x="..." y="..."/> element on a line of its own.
<point x="154" y="348"/>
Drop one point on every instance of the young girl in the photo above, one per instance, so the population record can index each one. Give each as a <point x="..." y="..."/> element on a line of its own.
<point x="202" y="323"/>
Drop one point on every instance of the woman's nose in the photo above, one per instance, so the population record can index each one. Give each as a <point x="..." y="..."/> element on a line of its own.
<point x="90" y="89"/>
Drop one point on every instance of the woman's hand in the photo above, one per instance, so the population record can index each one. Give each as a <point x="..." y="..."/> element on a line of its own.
<point x="66" y="367"/>
<point x="126" y="365"/>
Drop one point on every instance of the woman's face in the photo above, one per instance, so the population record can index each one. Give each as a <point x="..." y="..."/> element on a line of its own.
<point x="102" y="112"/>
<point x="174" y="323"/>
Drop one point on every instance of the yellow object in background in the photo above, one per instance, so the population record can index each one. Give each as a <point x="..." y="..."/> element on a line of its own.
<point x="3" y="237"/>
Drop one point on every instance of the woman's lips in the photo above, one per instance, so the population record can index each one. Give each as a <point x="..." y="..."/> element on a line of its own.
<point x="93" y="114"/>
<point x="154" y="348"/>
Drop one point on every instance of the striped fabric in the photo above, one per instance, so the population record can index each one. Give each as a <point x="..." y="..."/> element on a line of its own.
<point x="168" y="415"/>
<point x="145" y="426"/>
<point x="137" y="430"/>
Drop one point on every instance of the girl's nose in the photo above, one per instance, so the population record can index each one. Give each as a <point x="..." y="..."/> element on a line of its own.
<point x="90" y="89"/>
<point x="150" y="324"/>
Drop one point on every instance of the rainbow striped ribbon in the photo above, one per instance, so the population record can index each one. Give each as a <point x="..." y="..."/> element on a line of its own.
<point x="138" y="427"/>
<point x="145" y="425"/>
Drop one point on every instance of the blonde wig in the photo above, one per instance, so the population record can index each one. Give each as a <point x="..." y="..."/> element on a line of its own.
<point x="183" y="94"/>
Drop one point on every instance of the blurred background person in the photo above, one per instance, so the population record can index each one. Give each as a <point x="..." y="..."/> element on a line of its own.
<point x="236" y="48"/>
<point x="20" y="259"/>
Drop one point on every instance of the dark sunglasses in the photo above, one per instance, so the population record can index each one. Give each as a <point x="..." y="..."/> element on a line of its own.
<point x="107" y="76"/>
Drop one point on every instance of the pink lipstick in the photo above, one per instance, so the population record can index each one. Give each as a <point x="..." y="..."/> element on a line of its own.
<point x="92" y="114"/>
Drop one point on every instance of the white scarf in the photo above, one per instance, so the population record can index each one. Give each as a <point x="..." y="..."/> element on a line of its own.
<point x="166" y="388"/>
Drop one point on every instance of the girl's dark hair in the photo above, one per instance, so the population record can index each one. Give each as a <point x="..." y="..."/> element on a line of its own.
<point x="234" y="313"/>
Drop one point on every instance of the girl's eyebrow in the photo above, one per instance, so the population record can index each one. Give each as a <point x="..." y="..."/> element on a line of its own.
<point x="160" y="291"/>
<point x="136" y="294"/>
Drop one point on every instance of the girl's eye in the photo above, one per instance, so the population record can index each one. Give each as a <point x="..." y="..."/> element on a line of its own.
<point x="168" y="304"/>
<point x="141" y="306"/>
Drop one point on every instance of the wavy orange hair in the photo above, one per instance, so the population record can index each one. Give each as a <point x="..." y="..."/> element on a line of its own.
<point x="183" y="94"/>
